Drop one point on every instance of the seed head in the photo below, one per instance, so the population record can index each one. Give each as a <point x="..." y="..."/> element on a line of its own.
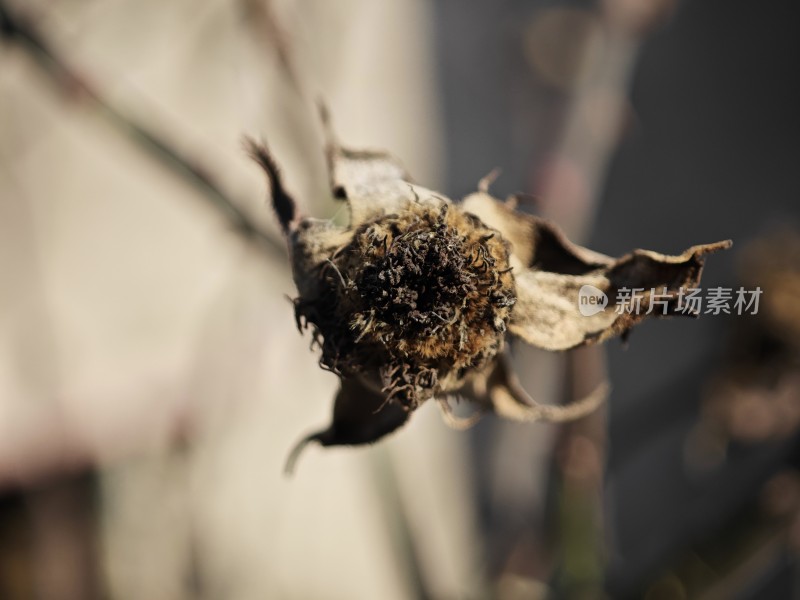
<point x="415" y="300"/>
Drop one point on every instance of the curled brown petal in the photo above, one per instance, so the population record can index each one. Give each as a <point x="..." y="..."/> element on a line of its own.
<point x="373" y="182"/>
<point x="551" y="270"/>
<point x="516" y="404"/>
<point x="456" y="422"/>
<point x="510" y="400"/>
<point x="497" y="389"/>
<point x="361" y="415"/>
<point x="535" y="241"/>
<point x="282" y="201"/>
<point x="547" y="313"/>
<point x="311" y="241"/>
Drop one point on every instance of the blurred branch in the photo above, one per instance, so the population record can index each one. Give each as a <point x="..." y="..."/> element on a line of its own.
<point x="591" y="133"/>
<point x="262" y="19"/>
<point x="578" y="484"/>
<point x="22" y="32"/>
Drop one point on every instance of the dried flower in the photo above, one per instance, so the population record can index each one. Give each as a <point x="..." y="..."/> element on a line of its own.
<point x="414" y="299"/>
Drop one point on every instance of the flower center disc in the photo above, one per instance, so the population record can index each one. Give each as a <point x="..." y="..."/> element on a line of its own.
<point x="431" y="288"/>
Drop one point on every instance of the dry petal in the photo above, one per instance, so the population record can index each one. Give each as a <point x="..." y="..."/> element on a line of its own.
<point x="499" y="390"/>
<point x="373" y="182"/>
<point x="552" y="271"/>
<point x="361" y="415"/>
<point x="535" y="242"/>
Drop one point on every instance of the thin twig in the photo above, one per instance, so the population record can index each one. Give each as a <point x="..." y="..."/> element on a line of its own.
<point x="577" y="485"/>
<point x="20" y="31"/>
<point x="262" y="19"/>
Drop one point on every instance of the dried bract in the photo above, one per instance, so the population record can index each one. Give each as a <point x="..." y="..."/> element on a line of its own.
<point x="414" y="299"/>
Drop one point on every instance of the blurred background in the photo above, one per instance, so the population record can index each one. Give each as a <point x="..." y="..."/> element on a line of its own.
<point x="151" y="377"/>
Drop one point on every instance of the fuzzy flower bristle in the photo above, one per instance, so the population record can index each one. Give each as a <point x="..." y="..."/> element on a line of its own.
<point x="425" y="294"/>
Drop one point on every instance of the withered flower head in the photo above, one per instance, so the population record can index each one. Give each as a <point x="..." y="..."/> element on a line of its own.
<point x="414" y="299"/>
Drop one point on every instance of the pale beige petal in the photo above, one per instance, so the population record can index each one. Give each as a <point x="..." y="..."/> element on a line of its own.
<point x="373" y="182"/>
<point x="547" y="312"/>
<point x="457" y="422"/>
<point x="535" y="241"/>
<point x="499" y="390"/>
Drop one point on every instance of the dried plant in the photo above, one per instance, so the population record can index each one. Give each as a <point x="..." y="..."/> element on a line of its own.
<point x="414" y="299"/>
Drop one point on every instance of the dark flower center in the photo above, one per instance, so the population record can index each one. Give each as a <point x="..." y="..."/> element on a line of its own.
<point x="420" y="298"/>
